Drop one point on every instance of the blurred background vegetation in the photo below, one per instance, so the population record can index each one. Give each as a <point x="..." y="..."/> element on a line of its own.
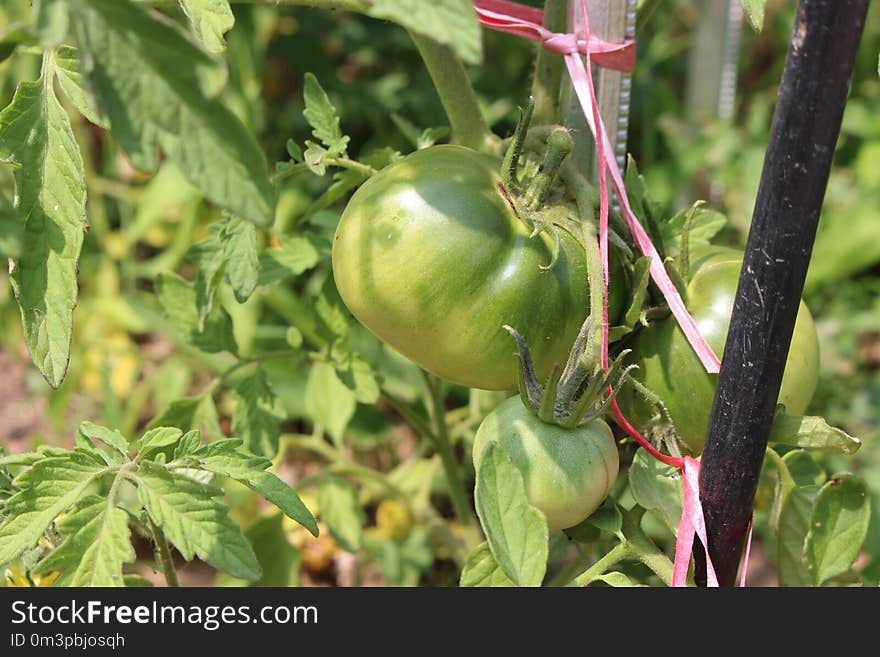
<point x="126" y="366"/>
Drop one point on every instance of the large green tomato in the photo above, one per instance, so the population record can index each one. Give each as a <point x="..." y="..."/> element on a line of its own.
<point x="670" y="368"/>
<point x="568" y="473"/>
<point x="430" y="257"/>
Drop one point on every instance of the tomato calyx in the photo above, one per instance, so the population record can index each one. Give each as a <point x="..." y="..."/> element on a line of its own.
<point x="528" y="198"/>
<point x="577" y="394"/>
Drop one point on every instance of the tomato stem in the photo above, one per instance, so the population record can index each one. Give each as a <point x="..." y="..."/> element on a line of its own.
<point x="440" y="437"/>
<point x="457" y="95"/>
<point x="547" y="79"/>
<point x="510" y="166"/>
<point x="163" y="554"/>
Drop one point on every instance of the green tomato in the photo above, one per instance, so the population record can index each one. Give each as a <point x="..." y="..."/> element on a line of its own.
<point x="430" y="256"/>
<point x="671" y="369"/>
<point x="568" y="473"/>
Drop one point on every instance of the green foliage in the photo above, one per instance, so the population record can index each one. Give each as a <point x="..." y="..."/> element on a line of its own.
<point x="164" y="282"/>
<point x="79" y="495"/>
<point x="516" y="531"/>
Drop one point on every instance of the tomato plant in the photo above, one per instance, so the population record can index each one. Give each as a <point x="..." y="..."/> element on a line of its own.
<point x="272" y="285"/>
<point x="669" y="368"/>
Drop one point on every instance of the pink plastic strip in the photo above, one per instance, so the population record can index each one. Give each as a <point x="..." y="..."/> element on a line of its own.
<point x="525" y="23"/>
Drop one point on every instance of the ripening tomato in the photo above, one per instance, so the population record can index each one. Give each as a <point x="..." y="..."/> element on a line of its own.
<point x="671" y="369"/>
<point x="431" y="257"/>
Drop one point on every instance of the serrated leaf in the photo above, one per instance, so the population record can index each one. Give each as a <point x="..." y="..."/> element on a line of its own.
<point x="278" y="558"/>
<point x="258" y="415"/>
<point x="110" y="437"/>
<point x="66" y="63"/>
<point x="238" y="244"/>
<point x="755" y="11"/>
<point x="209" y="20"/>
<point x="251" y="471"/>
<point x="188" y="445"/>
<point x="96" y="545"/>
<point x="656" y="486"/>
<point x="157" y="89"/>
<point x="838" y="527"/>
<point x="36" y="137"/>
<point x="48" y="488"/>
<point x="705" y="224"/>
<point x="811" y="433"/>
<point x="292" y="257"/>
<point x="481" y="569"/>
<point x="322" y="116"/>
<point x="516" y="531"/>
<point x="178" y="299"/>
<point x="195" y="523"/>
<point x="29" y="458"/>
<point x="328" y="401"/>
<point x="157" y="438"/>
<point x="451" y="22"/>
<point x="341" y="511"/>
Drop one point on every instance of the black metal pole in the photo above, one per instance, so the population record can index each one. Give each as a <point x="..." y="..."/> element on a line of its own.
<point x="806" y="124"/>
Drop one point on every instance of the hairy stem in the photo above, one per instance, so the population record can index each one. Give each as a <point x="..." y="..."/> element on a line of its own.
<point x="456" y="94"/>
<point x="163" y="555"/>
<point x="548" y="66"/>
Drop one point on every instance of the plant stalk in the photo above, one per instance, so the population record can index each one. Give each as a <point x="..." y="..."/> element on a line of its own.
<point x="548" y="67"/>
<point x="457" y="95"/>
<point x="444" y="447"/>
<point x="163" y="555"/>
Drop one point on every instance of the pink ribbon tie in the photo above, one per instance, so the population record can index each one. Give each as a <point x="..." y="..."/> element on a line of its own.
<point x="527" y="22"/>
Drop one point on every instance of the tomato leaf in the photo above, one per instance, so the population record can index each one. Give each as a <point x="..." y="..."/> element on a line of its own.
<point x="97" y="542"/>
<point x="277" y="557"/>
<point x="799" y="478"/>
<point x="656" y="486"/>
<point x="258" y="415"/>
<point x="209" y="21"/>
<point x="755" y="11"/>
<point x="838" y="527"/>
<point x="481" y="569"/>
<point x="36" y="137"/>
<point x="516" y="531"/>
<point x="189" y="413"/>
<point x="66" y="62"/>
<point x="811" y="433"/>
<point x="340" y="509"/>
<point x="451" y="22"/>
<point x="110" y="437"/>
<point x="328" y="401"/>
<point x="291" y="257"/>
<point x="51" y="22"/>
<point x="194" y="522"/>
<point x="49" y="487"/>
<point x="251" y="471"/>
<point x="158" y="89"/>
<point x="178" y="298"/>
